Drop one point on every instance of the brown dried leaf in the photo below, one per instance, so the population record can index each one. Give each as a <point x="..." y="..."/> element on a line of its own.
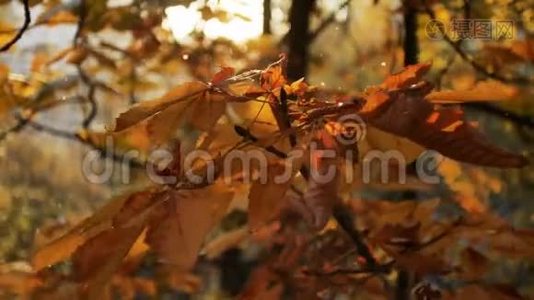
<point x="146" y="109"/>
<point x="63" y="247"/>
<point x="97" y="259"/>
<point x="163" y="125"/>
<point x="179" y="226"/>
<point x="443" y="130"/>
<point x="207" y="110"/>
<point x="266" y="198"/>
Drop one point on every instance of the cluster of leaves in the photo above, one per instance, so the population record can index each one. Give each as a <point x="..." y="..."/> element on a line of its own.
<point x="307" y="252"/>
<point x="315" y="247"/>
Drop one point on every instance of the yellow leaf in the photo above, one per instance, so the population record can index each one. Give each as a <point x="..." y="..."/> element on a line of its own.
<point x="489" y="90"/>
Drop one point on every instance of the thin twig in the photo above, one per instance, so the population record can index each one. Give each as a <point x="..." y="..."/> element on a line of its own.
<point x="93" y="107"/>
<point x="247" y="135"/>
<point x="27" y="21"/>
<point x="81" y="23"/>
<point x="23" y="122"/>
<point x="515" y="118"/>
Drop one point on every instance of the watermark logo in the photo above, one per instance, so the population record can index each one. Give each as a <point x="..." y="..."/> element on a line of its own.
<point x="434" y="29"/>
<point x="471" y="29"/>
<point x="353" y="129"/>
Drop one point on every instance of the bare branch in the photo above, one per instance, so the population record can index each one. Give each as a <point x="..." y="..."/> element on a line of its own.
<point x="27" y="122"/>
<point x="27" y="21"/>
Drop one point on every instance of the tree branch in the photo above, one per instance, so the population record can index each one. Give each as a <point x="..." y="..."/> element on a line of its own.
<point x="27" y="21"/>
<point x="491" y="109"/>
<point x="346" y="221"/>
<point x="24" y="122"/>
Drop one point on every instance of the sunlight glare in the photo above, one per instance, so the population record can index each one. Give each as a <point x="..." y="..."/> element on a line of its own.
<point x="182" y="20"/>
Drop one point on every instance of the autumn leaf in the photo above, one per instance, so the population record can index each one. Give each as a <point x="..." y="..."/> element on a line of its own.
<point x="111" y="246"/>
<point x="409" y="75"/>
<point x="273" y="77"/>
<point x="207" y="110"/>
<point x="489" y="90"/>
<point x="266" y="198"/>
<point x="133" y="138"/>
<point x="108" y="249"/>
<point x="99" y="222"/>
<point x="162" y="126"/>
<point x="222" y="75"/>
<point x="179" y="226"/>
<point x="383" y="141"/>
<point x="440" y="129"/>
<point x="146" y="109"/>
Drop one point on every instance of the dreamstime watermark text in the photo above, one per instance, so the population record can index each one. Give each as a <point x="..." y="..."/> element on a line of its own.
<point x="253" y="164"/>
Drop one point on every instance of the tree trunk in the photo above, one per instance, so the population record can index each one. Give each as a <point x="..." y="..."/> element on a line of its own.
<point x="411" y="46"/>
<point x="299" y="37"/>
<point x="267" y="16"/>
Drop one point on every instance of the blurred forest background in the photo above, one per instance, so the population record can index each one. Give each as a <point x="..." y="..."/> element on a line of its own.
<point x="74" y="81"/>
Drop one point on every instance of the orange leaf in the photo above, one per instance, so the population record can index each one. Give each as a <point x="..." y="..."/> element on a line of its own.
<point x="222" y="75"/>
<point x="490" y="90"/>
<point x="405" y="78"/>
<point x="146" y="109"/>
